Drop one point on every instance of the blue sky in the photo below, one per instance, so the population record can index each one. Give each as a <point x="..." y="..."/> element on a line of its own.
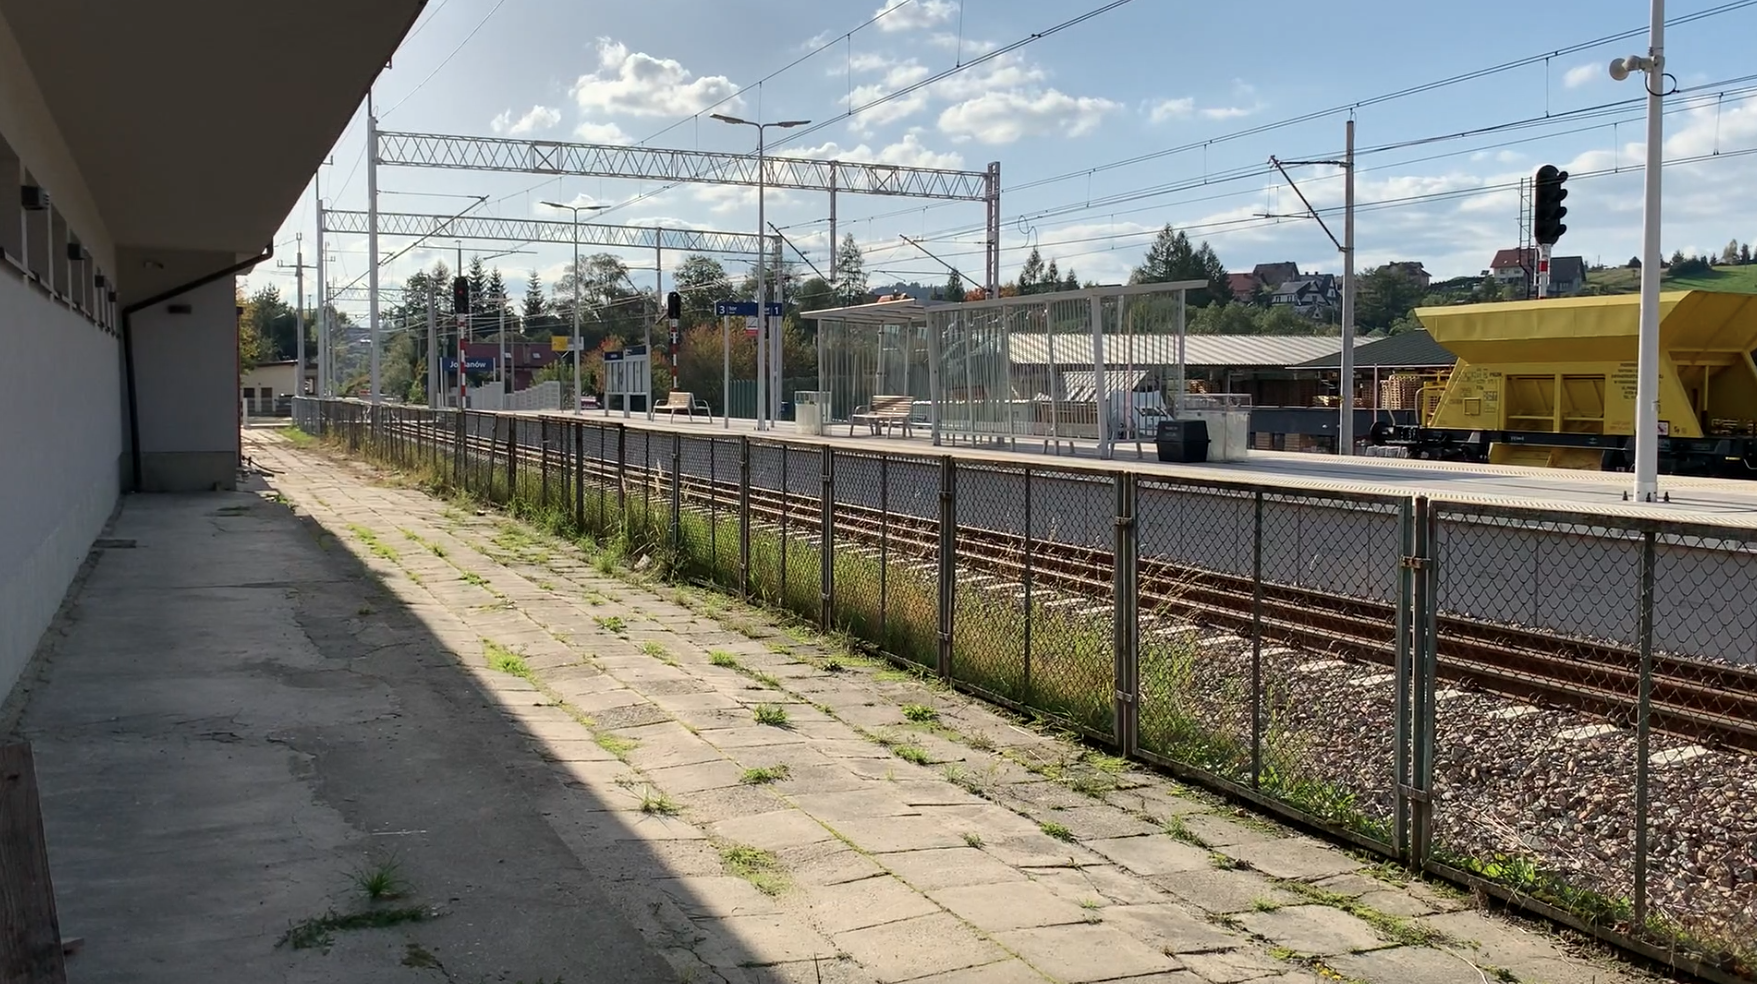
<point x="1146" y="77"/>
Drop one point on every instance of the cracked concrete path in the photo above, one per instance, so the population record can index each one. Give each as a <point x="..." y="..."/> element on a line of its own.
<point x="761" y="807"/>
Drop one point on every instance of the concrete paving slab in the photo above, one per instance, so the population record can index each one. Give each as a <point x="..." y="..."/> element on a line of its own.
<point x="829" y="863"/>
<point x="737" y="941"/>
<point x="1170" y="927"/>
<point x="774" y="831"/>
<point x="1313" y="929"/>
<point x="571" y="750"/>
<point x="1099" y="822"/>
<point x="1153" y="854"/>
<point x="888" y="834"/>
<point x="1008" y="905"/>
<point x="1219" y="891"/>
<point x="862" y="804"/>
<point x="1005" y="972"/>
<point x="716" y="896"/>
<point x="852" y="905"/>
<point x="1218" y="831"/>
<point x="1107" y="883"/>
<point x="1294" y="857"/>
<point x="951" y="867"/>
<point x="918" y="947"/>
<point x="730" y="802"/>
<point x="1085" y="952"/>
<point x="1408" y="965"/>
<point x="679" y="779"/>
<point x="1248" y="964"/>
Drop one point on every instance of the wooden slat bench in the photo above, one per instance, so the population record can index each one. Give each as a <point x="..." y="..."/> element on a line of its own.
<point x="680" y="401"/>
<point x="883" y="413"/>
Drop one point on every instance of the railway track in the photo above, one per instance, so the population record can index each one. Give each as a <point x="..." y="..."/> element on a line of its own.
<point x="1706" y="701"/>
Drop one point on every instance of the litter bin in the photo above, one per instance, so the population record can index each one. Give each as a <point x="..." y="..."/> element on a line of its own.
<point x="809" y="410"/>
<point x="1183" y="441"/>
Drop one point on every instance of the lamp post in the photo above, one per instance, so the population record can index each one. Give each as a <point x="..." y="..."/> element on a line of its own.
<point x="576" y="210"/>
<point x="768" y="351"/>
<point x="1651" y="71"/>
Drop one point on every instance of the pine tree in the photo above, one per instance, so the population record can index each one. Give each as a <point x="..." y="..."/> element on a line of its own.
<point x="850" y="272"/>
<point x="1744" y="253"/>
<point x="1172" y="258"/>
<point x="1071" y="281"/>
<point x="1052" y="281"/>
<point x="954" y="288"/>
<point x="535" y="306"/>
<point x="1031" y="274"/>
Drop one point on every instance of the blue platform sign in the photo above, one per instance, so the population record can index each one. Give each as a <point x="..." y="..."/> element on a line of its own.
<point x="743" y="309"/>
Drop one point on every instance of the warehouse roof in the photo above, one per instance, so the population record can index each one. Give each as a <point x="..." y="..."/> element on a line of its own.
<point x="1069" y="349"/>
<point x="1408" y="350"/>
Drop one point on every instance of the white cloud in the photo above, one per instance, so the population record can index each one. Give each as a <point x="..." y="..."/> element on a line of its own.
<point x="638" y="84"/>
<point x="1003" y="117"/>
<point x="908" y="152"/>
<point x="1579" y="75"/>
<point x="912" y="15"/>
<point x="602" y="133"/>
<point x="1228" y="112"/>
<point x="539" y="118"/>
<point x="1171" y="109"/>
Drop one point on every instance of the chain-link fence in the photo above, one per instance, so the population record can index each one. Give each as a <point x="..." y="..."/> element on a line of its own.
<point x="1559" y="709"/>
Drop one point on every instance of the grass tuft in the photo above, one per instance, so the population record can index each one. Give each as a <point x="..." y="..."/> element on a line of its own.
<point x="1180" y="831"/>
<point x="381" y="881"/>
<point x="773" y="715"/>
<point x="912" y="753"/>
<point x="1056" y="830"/>
<point x="318" y="932"/>
<point x="505" y="660"/>
<point x="760" y="868"/>
<point x="763" y="775"/>
<point x="723" y="659"/>
<point x="611" y="623"/>
<point x="659" y="805"/>
<point x="972" y="839"/>
<point x="920" y="713"/>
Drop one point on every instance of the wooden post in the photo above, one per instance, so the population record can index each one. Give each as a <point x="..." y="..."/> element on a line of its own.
<point x="30" y="936"/>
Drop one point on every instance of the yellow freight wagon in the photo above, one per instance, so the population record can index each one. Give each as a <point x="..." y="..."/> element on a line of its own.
<point x="1552" y="383"/>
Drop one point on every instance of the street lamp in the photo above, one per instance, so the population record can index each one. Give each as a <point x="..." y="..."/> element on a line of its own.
<point x="576" y="210"/>
<point x="768" y="350"/>
<point x="1651" y="70"/>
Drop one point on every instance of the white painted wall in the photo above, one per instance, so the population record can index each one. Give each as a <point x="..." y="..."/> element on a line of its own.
<point x="186" y="390"/>
<point x="31" y="130"/>
<point x="61" y="398"/>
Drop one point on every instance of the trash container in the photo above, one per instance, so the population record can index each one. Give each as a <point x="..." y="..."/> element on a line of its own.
<point x="809" y="410"/>
<point x="1183" y="441"/>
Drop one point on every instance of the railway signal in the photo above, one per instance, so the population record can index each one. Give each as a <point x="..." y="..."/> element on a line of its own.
<point x="1547" y="210"/>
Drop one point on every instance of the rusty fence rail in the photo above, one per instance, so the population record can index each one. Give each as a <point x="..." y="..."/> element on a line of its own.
<point x="1558" y="709"/>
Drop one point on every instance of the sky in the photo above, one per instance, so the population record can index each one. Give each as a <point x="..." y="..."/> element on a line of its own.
<point x="1148" y="113"/>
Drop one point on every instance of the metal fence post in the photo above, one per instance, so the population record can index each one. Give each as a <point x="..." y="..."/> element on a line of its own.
<point x="827" y="539"/>
<point x="947" y="561"/>
<point x="676" y="491"/>
<point x="786" y="515"/>
<point x="1402" y="781"/>
<point x="1125" y="632"/>
<point x="622" y="475"/>
<point x="884" y="547"/>
<point x="1424" y="570"/>
<point x="457" y="450"/>
<point x="542" y="456"/>
<point x="1025" y="586"/>
<point x="1643" y="712"/>
<point x="1257" y="643"/>
<point x="512" y="458"/>
<point x="579" y="477"/>
<point x="744" y="516"/>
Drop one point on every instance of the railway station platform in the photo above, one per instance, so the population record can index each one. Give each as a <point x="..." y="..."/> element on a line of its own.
<point x="1725" y="501"/>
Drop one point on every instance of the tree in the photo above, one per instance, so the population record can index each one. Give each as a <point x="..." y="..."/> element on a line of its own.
<point x="1032" y="274"/>
<point x="273" y="322"/>
<point x="1744" y="253"/>
<point x="539" y="324"/>
<point x="249" y="339"/>
<point x="1172" y="258"/>
<point x="815" y="294"/>
<point x="850" y="272"/>
<point x="1634" y="263"/>
<point x="1387" y="294"/>
<point x="1071" y="281"/>
<point x="1730" y="255"/>
<point x="702" y="281"/>
<point x="954" y="288"/>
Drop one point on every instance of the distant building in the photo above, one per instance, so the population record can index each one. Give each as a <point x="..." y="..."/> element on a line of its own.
<point x="1413" y="270"/>
<point x="1315" y="297"/>
<point x="1514" y="269"/>
<point x="1273" y="275"/>
<point x="267" y="390"/>
<point x="1244" y="286"/>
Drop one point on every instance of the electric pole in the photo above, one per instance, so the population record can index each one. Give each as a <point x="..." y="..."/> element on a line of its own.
<point x="299" y="266"/>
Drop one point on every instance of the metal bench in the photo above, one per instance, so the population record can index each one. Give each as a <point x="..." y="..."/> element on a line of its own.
<point x="882" y="413"/>
<point x="679" y="401"/>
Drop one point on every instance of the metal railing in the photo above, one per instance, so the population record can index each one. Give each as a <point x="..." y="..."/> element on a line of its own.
<point x="1554" y="708"/>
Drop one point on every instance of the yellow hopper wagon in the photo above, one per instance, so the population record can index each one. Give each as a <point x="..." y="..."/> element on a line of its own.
<point x="1552" y="383"/>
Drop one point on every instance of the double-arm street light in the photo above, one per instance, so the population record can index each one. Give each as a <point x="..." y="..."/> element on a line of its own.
<point x="768" y="349"/>
<point x="576" y="210"/>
